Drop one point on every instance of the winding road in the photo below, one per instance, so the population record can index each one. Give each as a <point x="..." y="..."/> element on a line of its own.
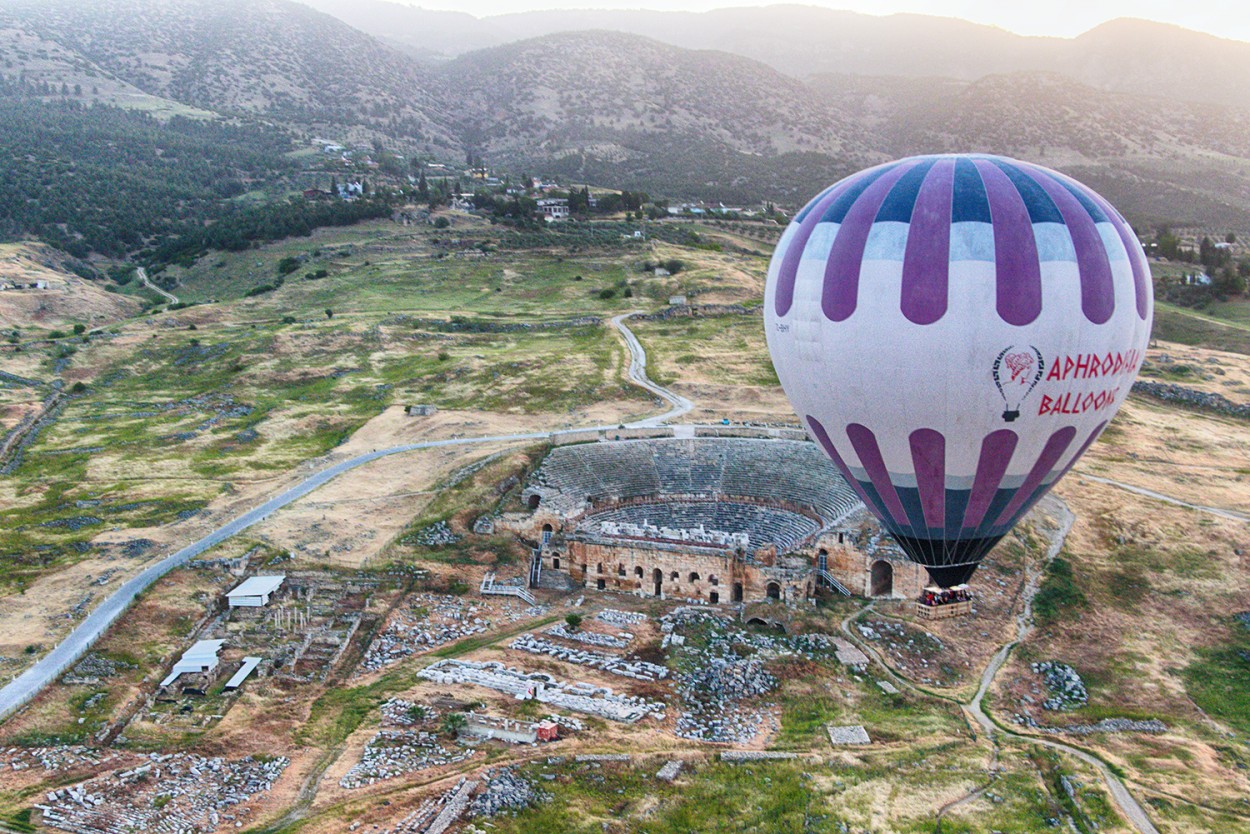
<point x="143" y="279"/>
<point x="1128" y="805"/>
<point x="638" y="375"/>
<point x="28" y="684"/>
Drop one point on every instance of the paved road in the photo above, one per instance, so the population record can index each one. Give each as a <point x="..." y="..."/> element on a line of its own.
<point x="143" y="278"/>
<point x="28" y="684"/>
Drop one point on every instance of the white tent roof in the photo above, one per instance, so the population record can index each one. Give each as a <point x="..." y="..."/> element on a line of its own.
<point x="258" y="586"/>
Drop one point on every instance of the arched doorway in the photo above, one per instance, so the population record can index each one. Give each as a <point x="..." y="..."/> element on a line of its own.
<point x="533" y="501"/>
<point x="602" y="584"/>
<point x="638" y="571"/>
<point x="713" y="597"/>
<point x="773" y="590"/>
<point x="555" y="562"/>
<point x="737" y="597"/>
<point x="547" y="531"/>
<point x="882" y="578"/>
<point x="657" y="576"/>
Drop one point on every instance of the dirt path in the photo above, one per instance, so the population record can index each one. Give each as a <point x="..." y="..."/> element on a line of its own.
<point x="143" y="278"/>
<point x="1129" y="806"/>
<point x="1231" y="515"/>
<point x="638" y="375"/>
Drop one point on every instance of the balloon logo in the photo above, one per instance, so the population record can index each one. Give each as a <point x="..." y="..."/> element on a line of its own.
<point x="1026" y="371"/>
<point x="955" y="331"/>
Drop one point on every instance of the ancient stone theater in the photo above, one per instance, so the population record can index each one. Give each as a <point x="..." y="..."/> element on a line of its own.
<point x="709" y="519"/>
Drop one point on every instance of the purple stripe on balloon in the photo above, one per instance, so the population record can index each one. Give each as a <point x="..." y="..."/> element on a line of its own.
<point x="1097" y="287"/>
<point x="926" y="261"/>
<point x="1054" y="449"/>
<point x="996" y="451"/>
<point x="928" y="457"/>
<point x="822" y="437"/>
<point x="1132" y="247"/>
<point x="788" y="272"/>
<point x="1018" y="269"/>
<point x="1089" y="441"/>
<point x="865" y="445"/>
<point x="1041" y="491"/>
<point x="841" y="292"/>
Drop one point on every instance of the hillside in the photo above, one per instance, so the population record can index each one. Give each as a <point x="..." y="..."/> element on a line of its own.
<point x="1133" y="56"/>
<point x="267" y="57"/>
<point x="1188" y="165"/>
<point x="619" y="97"/>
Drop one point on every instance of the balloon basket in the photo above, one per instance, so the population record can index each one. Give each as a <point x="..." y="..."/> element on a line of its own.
<point x="943" y="612"/>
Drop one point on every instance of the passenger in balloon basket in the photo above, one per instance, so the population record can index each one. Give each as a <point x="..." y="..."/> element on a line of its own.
<point x="945" y="596"/>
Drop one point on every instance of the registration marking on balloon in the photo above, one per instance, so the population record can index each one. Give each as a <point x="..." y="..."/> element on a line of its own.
<point x="955" y="331"/>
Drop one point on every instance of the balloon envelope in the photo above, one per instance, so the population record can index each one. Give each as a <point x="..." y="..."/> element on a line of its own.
<point x="955" y="331"/>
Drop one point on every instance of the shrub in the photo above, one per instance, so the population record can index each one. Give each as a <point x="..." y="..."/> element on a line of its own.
<point x="1059" y="593"/>
<point x="288" y="265"/>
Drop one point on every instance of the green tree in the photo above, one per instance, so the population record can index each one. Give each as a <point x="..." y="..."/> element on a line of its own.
<point x="453" y="723"/>
<point x="573" y="621"/>
<point x="329" y="313"/>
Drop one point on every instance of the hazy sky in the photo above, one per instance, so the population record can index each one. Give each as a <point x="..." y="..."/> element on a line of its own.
<point x="1226" y="18"/>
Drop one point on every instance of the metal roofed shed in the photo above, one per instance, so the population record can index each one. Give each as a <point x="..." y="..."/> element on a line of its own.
<point x="254" y="592"/>
<point x="200" y="658"/>
<point x="249" y="666"/>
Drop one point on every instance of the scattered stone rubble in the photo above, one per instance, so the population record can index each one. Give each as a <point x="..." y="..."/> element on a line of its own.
<point x="1113" y="725"/>
<point x="578" y="697"/>
<point x="717" y="681"/>
<point x="1067" y="690"/>
<point x="435" y="535"/>
<point x="504" y="790"/>
<point x="393" y="753"/>
<point x="616" y="665"/>
<point x="1195" y="399"/>
<point x="622" y="619"/>
<point x="742" y="756"/>
<point x="448" y="618"/>
<point x="53" y="759"/>
<point x="402" y="713"/>
<point x="173" y="792"/>
<point x="435" y="816"/>
<point x="94" y="668"/>
<point x="592" y="638"/>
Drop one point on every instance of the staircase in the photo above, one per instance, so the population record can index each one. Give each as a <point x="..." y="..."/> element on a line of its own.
<point x="536" y="567"/>
<point x="826" y="577"/>
<point x="489" y="588"/>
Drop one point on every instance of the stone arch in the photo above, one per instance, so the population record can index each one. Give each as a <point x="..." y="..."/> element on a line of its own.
<point x="534" y="500"/>
<point x="773" y="590"/>
<point x="599" y="568"/>
<point x="694" y="576"/>
<point x="638" y="572"/>
<point x="547" y="532"/>
<point x="674" y="576"/>
<point x="657" y="577"/>
<point x="882" y="578"/>
<point x="601" y="584"/>
<point x="713" y="597"/>
<point x="620" y="569"/>
<point x="712" y="579"/>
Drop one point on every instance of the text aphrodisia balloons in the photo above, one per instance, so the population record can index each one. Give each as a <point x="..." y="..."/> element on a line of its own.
<point x="956" y="331"/>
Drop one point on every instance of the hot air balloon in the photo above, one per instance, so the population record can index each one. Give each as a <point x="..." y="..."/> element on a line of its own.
<point x="955" y="331"/>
